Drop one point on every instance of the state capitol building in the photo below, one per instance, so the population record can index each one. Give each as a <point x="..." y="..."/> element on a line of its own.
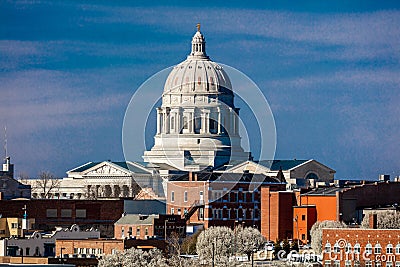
<point x="197" y="164"/>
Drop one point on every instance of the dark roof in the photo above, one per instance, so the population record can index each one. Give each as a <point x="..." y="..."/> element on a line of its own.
<point x="273" y="165"/>
<point x="226" y="177"/>
<point x="330" y="191"/>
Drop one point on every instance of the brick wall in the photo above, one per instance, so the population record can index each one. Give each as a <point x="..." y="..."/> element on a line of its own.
<point x="385" y="238"/>
<point x="276" y="214"/>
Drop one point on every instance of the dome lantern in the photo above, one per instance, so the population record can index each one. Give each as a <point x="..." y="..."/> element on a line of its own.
<point x="198" y="44"/>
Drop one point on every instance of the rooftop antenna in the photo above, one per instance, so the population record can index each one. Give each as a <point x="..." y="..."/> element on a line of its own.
<point x="5" y="142"/>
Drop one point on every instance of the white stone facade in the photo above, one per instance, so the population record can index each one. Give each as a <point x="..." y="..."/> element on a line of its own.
<point x="197" y="123"/>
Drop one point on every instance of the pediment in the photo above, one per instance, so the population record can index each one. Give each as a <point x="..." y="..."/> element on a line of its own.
<point x="249" y="166"/>
<point x="106" y="168"/>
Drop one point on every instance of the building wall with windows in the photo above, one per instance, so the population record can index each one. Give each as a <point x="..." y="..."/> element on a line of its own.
<point x="303" y="219"/>
<point x="42" y="245"/>
<point x="14" y="227"/>
<point x="357" y="247"/>
<point x="50" y="213"/>
<point x="220" y="203"/>
<point x="138" y="226"/>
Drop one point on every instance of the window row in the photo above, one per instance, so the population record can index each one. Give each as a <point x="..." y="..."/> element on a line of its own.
<point x="376" y="249"/>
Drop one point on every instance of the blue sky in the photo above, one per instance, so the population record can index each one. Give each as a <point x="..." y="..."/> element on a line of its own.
<point x="329" y="69"/>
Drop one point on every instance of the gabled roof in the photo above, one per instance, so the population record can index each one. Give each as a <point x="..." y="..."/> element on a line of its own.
<point x="227" y="177"/>
<point x="276" y="165"/>
<point x="137" y="219"/>
<point x="127" y="166"/>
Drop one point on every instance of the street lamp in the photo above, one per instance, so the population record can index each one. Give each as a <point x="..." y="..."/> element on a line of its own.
<point x="21" y="253"/>
<point x="61" y="254"/>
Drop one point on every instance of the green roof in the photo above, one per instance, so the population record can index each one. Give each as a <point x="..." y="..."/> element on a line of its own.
<point x="137" y="219"/>
<point x="85" y="167"/>
<point x="275" y="165"/>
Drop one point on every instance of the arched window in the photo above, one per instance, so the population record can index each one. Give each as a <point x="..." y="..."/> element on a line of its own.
<point x="357" y="248"/>
<point x="348" y="248"/>
<point x="389" y="249"/>
<point x="327" y="247"/>
<point x="398" y="249"/>
<point x="312" y="176"/>
<point x="336" y="248"/>
<point x="378" y="249"/>
<point x="368" y="248"/>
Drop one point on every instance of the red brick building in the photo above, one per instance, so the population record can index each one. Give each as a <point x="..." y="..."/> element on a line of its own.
<point x="291" y="214"/>
<point x="49" y="213"/>
<point x="276" y="213"/>
<point x="216" y="199"/>
<point x="139" y="226"/>
<point x="355" y="247"/>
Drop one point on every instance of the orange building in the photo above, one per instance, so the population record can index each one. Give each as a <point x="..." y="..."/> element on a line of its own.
<point x="303" y="219"/>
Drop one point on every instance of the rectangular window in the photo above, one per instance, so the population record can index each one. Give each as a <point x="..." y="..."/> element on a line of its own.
<point x="185" y="196"/>
<point x="66" y="213"/>
<point x="389" y="264"/>
<point x="138" y="231"/>
<point x="81" y="213"/>
<point x="75" y="250"/>
<point x="347" y="264"/>
<point x="336" y="263"/>
<point x="327" y="263"/>
<point x="27" y="252"/>
<point x="357" y="263"/>
<point x="51" y="213"/>
<point x="389" y="250"/>
<point x="397" y="263"/>
<point x="146" y="231"/>
<point x="303" y="217"/>
<point x="172" y="210"/>
<point x="14" y="225"/>
<point x="378" y="264"/>
<point x="172" y="196"/>
<point x="377" y="250"/>
<point x="303" y="236"/>
<point x="2" y="232"/>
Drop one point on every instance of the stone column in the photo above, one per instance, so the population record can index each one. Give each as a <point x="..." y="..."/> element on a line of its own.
<point x="158" y="120"/>
<point x="219" y="121"/>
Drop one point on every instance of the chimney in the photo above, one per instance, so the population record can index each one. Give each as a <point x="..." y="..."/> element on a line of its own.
<point x="190" y="176"/>
<point x="373" y="220"/>
<point x="195" y="176"/>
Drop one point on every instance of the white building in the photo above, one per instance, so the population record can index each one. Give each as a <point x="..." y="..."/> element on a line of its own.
<point x="197" y="129"/>
<point x="43" y="245"/>
<point x="197" y="123"/>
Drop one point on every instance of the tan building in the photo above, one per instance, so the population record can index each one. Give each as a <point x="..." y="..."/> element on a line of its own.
<point x="13" y="227"/>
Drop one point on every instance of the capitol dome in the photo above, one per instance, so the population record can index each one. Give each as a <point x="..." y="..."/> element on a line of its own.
<point x="197" y="123"/>
<point x="198" y="75"/>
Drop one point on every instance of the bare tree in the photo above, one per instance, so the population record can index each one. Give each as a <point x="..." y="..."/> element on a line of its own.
<point x="23" y="177"/>
<point x="216" y="244"/>
<point x="47" y="184"/>
<point x="134" y="257"/>
<point x="248" y="240"/>
<point x="385" y="220"/>
<point x="316" y="233"/>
